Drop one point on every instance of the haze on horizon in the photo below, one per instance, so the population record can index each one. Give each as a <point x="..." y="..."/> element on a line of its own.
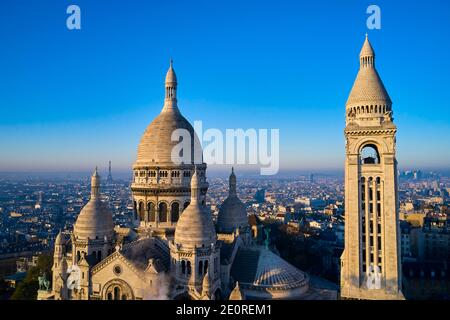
<point x="72" y="100"/>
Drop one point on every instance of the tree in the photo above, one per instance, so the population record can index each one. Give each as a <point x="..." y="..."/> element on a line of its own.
<point x="28" y="288"/>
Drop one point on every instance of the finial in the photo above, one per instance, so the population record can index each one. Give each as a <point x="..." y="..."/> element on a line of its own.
<point x="171" y="62"/>
<point x="367" y="35"/>
<point x="232" y="169"/>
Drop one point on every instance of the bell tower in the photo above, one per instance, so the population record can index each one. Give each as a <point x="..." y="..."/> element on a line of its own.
<point x="370" y="263"/>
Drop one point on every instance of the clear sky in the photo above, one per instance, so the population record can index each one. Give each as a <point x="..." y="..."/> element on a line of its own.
<point x="70" y="100"/>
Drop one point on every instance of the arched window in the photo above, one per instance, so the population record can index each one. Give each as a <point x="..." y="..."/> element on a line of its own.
<point x="188" y="268"/>
<point x="163" y="212"/>
<point x="141" y="211"/>
<point x="110" y="296"/>
<point x="78" y="256"/>
<point x="135" y="210"/>
<point x="151" y="211"/>
<point x="369" y="155"/>
<point x="183" y="267"/>
<point x="175" y="212"/>
<point x="116" y="293"/>
<point x="205" y="267"/>
<point x="200" y="267"/>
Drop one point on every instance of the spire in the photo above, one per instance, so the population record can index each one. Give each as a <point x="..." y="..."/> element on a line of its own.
<point x="206" y="285"/>
<point x="59" y="239"/>
<point x="95" y="184"/>
<point x="195" y="187"/>
<point x="236" y="294"/>
<point x="232" y="182"/>
<point x="367" y="55"/>
<point x="170" y="101"/>
<point x="368" y="91"/>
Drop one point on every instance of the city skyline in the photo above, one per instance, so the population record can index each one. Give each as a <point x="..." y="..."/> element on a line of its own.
<point x="88" y="101"/>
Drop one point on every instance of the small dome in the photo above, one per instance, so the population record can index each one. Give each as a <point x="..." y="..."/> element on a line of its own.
<point x="60" y="239"/>
<point x="206" y="284"/>
<point x="95" y="219"/>
<point x="368" y="89"/>
<point x="367" y="49"/>
<point x="195" y="227"/>
<point x="275" y="272"/>
<point x="171" y="77"/>
<point x="236" y="294"/>
<point x="232" y="212"/>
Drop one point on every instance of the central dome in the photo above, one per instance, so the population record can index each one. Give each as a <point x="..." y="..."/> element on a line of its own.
<point x="156" y="144"/>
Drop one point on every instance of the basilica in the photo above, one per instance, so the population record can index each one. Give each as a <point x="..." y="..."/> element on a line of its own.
<point x="176" y="250"/>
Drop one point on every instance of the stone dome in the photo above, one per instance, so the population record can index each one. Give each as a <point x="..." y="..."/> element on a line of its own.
<point x="270" y="277"/>
<point x="171" y="77"/>
<point x="95" y="220"/>
<point x="275" y="272"/>
<point x="232" y="212"/>
<point x="368" y="89"/>
<point x="156" y="143"/>
<point x="60" y="239"/>
<point x="195" y="228"/>
<point x="367" y="49"/>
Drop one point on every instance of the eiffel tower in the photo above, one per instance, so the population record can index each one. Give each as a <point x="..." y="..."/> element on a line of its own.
<point x="110" y="179"/>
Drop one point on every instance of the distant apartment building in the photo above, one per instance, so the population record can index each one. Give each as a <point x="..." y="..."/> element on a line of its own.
<point x="436" y="230"/>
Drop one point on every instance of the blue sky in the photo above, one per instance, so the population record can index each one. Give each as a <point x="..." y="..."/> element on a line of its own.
<point x="70" y="100"/>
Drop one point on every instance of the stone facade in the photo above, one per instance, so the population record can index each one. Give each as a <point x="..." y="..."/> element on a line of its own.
<point x="370" y="263"/>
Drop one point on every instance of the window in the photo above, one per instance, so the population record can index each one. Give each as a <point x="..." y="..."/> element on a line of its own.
<point x="175" y="211"/>
<point x="200" y="267"/>
<point x="116" y="293"/>
<point x="183" y="267"/>
<point x="205" y="267"/>
<point x="175" y="174"/>
<point x="141" y="211"/>
<point x="151" y="211"/>
<point x="188" y="267"/>
<point x="162" y="212"/>
<point x="369" y="155"/>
